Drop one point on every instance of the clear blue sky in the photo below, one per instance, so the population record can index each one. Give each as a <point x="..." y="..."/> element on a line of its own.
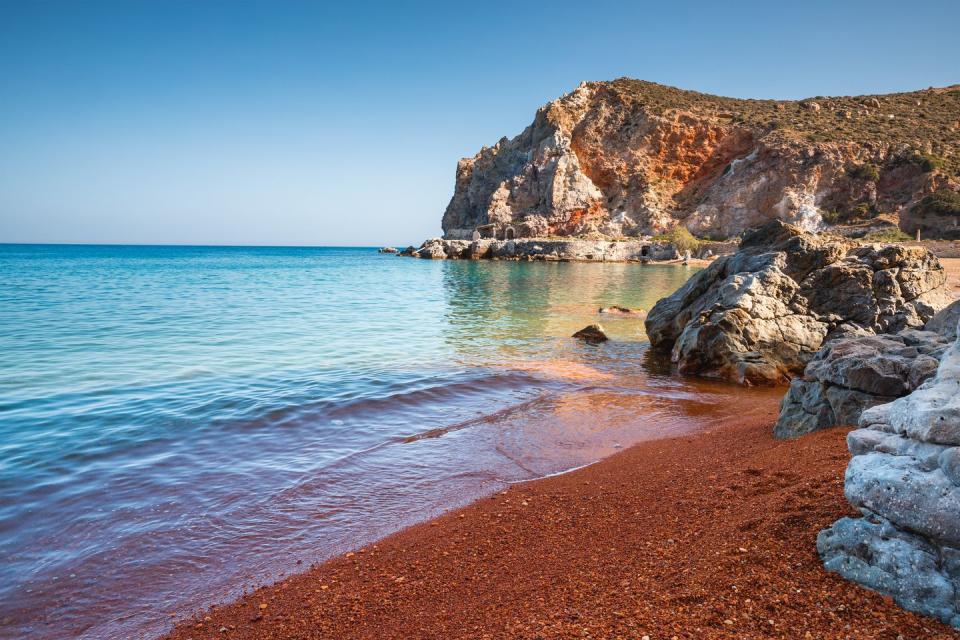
<point x="283" y="122"/>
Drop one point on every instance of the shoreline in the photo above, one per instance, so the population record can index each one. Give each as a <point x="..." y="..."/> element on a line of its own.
<point x="726" y="551"/>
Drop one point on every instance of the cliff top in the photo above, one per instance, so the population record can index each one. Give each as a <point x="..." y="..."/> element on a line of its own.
<point x="927" y="121"/>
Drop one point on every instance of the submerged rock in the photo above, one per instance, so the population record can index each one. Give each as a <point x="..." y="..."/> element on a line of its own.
<point x="904" y="478"/>
<point x="594" y="334"/>
<point x="759" y="316"/>
<point x="621" y="311"/>
<point x="387" y="250"/>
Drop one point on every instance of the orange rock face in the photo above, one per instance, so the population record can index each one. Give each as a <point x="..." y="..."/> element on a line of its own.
<point x="627" y="158"/>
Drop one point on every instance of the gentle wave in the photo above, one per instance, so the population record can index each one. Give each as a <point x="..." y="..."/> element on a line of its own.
<point x="180" y="423"/>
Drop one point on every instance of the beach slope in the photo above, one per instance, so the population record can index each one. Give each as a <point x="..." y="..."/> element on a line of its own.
<point x="704" y="536"/>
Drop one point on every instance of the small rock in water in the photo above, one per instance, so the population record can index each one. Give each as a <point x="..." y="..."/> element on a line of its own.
<point x="618" y="310"/>
<point x="593" y="334"/>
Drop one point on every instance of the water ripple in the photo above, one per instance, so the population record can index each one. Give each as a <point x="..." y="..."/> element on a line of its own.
<point x="178" y="423"/>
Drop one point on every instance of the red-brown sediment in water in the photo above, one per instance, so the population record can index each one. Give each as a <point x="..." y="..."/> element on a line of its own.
<point x="709" y="535"/>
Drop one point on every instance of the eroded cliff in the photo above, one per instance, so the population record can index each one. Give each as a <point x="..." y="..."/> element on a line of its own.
<point x="627" y="158"/>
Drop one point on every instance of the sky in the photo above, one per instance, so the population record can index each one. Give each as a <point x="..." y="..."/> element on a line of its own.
<point x="320" y="123"/>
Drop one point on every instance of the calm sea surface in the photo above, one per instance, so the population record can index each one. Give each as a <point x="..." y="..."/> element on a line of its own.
<point x="178" y="424"/>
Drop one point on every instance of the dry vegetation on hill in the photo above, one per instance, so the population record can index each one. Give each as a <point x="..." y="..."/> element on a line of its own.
<point x="926" y="121"/>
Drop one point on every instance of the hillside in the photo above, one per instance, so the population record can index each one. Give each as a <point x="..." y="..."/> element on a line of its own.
<point x="628" y="158"/>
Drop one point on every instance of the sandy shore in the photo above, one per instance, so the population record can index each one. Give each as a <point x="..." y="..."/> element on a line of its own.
<point x="704" y="536"/>
<point x="952" y="267"/>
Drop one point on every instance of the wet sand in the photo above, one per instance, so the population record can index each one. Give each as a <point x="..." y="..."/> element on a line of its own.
<point x="709" y="535"/>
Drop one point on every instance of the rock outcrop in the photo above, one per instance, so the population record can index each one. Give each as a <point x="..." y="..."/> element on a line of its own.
<point x="617" y="310"/>
<point x="905" y="478"/>
<point x="945" y="321"/>
<point x="626" y="158"/>
<point x="593" y="334"/>
<point x="853" y="373"/>
<point x="538" y="249"/>
<point x="759" y="316"/>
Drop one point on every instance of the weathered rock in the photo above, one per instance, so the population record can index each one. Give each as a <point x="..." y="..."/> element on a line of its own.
<point x="758" y="316"/>
<point x="853" y="373"/>
<point x="627" y="157"/>
<point x="904" y="478"/>
<point x="617" y="310"/>
<point x="387" y="250"/>
<point x="945" y="321"/>
<point x="540" y="249"/>
<point x="435" y="249"/>
<point x="593" y="334"/>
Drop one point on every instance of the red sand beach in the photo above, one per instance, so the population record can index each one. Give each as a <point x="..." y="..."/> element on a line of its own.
<point x="703" y="536"/>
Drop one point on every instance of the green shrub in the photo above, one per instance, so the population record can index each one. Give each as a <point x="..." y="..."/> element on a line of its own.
<point x="926" y="161"/>
<point x="943" y="202"/>
<point x="868" y="172"/>
<point x="887" y="235"/>
<point x="862" y="210"/>
<point x="831" y="217"/>
<point x="681" y="238"/>
<point x="930" y="162"/>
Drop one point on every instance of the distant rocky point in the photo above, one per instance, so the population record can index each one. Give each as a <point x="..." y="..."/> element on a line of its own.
<point x="542" y="249"/>
<point x="628" y="158"/>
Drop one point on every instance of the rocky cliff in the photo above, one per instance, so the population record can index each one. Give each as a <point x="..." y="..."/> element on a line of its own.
<point x="626" y="158"/>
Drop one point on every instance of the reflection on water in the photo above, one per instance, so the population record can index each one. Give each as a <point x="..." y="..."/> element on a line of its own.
<point x="503" y="305"/>
<point x="178" y="424"/>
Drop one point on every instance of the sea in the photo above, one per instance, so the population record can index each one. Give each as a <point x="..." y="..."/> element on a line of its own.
<point x="181" y="424"/>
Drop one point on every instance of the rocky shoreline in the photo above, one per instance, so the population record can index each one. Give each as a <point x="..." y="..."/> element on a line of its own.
<point x="865" y="334"/>
<point x="548" y="250"/>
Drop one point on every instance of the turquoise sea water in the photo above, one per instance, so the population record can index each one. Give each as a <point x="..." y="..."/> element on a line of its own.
<point x="180" y="423"/>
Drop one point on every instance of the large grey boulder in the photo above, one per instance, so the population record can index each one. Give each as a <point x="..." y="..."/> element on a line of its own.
<point x="759" y="316"/>
<point x="945" y="321"/>
<point x="853" y="373"/>
<point x="905" y="478"/>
